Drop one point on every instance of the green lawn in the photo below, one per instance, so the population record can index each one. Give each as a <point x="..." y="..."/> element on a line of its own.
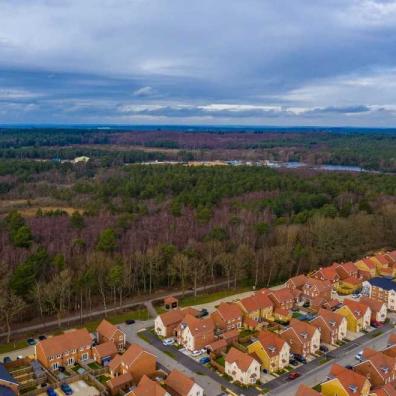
<point x="207" y="298"/>
<point x="94" y="366"/>
<point x="12" y="346"/>
<point x="220" y="360"/>
<point x="103" y="379"/>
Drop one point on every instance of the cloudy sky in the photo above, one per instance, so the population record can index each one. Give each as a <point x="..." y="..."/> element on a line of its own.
<point x="240" y="62"/>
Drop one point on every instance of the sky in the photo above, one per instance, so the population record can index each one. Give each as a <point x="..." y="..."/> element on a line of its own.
<point x="210" y="62"/>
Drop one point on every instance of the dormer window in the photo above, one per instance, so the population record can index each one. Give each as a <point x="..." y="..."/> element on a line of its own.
<point x="353" y="388"/>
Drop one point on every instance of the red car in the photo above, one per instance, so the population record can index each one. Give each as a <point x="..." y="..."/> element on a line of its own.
<point x="376" y="324"/>
<point x="293" y="376"/>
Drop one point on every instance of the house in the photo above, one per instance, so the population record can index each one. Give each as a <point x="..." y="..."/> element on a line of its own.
<point x="382" y="261"/>
<point x="103" y="353"/>
<point x="296" y="282"/>
<point x="366" y="264"/>
<point x="135" y="361"/>
<point x="182" y="385"/>
<point x="120" y="383"/>
<point x="345" y="270"/>
<point x="313" y="288"/>
<point x="378" y="308"/>
<point x="228" y="316"/>
<point x="171" y="302"/>
<point x="349" y="285"/>
<point x="218" y="347"/>
<point x="8" y="385"/>
<point x="283" y="298"/>
<point x="106" y="331"/>
<point x="382" y="289"/>
<point x="378" y="367"/>
<point x="328" y="274"/>
<point x="65" y="349"/>
<point x="165" y="324"/>
<point x="386" y="390"/>
<point x="342" y="381"/>
<point x="148" y="387"/>
<point x="257" y="307"/>
<point x="271" y="351"/>
<point x="332" y="326"/>
<point x="241" y="367"/>
<point x="194" y="333"/>
<point x="304" y="390"/>
<point x="230" y="336"/>
<point x="358" y="315"/>
<point x="303" y="338"/>
<point x="282" y="315"/>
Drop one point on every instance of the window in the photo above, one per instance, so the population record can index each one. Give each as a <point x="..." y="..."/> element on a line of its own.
<point x="55" y="366"/>
<point x="84" y="356"/>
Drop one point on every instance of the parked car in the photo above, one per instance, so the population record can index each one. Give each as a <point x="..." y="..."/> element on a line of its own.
<point x="293" y="376"/>
<point x="7" y="359"/>
<point x="42" y="337"/>
<point x="376" y="324"/>
<point x="349" y="367"/>
<point x="323" y="348"/>
<point x="66" y="389"/>
<point x="51" y="392"/>
<point x="295" y="309"/>
<point x="130" y="321"/>
<point x="31" y="341"/>
<point x="293" y="362"/>
<point x="61" y="369"/>
<point x="168" y="341"/>
<point x="203" y="312"/>
<point x="359" y="356"/>
<point x="300" y="358"/>
<point x="204" y="360"/>
<point x="306" y="304"/>
<point x="196" y="353"/>
<point x="356" y="295"/>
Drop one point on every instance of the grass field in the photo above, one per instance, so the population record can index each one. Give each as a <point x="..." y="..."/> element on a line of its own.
<point x="210" y="297"/>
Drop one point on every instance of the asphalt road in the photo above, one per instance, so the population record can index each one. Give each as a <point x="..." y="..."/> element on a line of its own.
<point x="313" y="372"/>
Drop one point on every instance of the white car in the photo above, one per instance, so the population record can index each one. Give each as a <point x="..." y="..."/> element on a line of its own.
<point x="356" y="295"/>
<point x="168" y="341"/>
<point x="359" y="356"/>
<point x="196" y="353"/>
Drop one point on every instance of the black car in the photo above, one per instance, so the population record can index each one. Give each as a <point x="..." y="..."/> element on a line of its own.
<point x="6" y="360"/>
<point x="129" y="321"/>
<point x="324" y="348"/>
<point x="349" y="367"/>
<point x="203" y="312"/>
<point x="300" y="358"/>
<point x="42" y="337"/>
<point x="31" y="341"/>
<point x="293" y="362"/>
<point x="306" y="304"/>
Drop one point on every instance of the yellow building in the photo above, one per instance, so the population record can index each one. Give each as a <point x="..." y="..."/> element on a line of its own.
<point x="257" y="307"/>
<point x="344" y="382"/>
<point x="272" y="352"/>
<point x="358" y="315"/>
<point x="367" y="265"/>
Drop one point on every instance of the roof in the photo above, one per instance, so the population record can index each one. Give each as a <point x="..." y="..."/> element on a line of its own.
<point x="106" y="329"/>
<point x="230" y="334"/>
<point x="255" y="302"/>
<point x="329" y="273"/>
<point x="5" y="375"/>
<point x="241" y="359"/>
<point x="170" y="300"/>
<point x="198" y="326"/>
<point x="322" y="286"/>
<point x="304" y="390"/>
<point x="229" y="311"/>
<point x="383" y="283"/>
<point x="298" y="281"/>
<point x="281" y="295"/>
<point x="351" y="381"/>
<point x="219" y="344"/>
<point x="382" y="363"/>
<point x="281" y="311"/>
<point x="179" y="382"/>
<point x="148" y="387"/>
<point x="348" y="267"/>
<point x="120" y="380"/>
<point x="370" y="264"/>
<point x="302" y="329"/>
<point x="358" y="309"/>
<point x="106" y="349"/>
<point x="271" y="342"/>
<point x="65" y="342"/>
<point x="132" y="353"/>
<point x="249" y="322"/>
<point x="171" y="317"/>
<point x="352" y="280"/>
<point x="382" y="258"/>
<point x="375" y="305"/>
<point x="386" y="390"/>
<point x="330" y="317"/>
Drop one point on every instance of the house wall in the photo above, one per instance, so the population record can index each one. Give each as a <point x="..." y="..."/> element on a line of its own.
<point x="145" y="364"/>
<point x="351" y="320"/>
<point x="196" y="390"/>
<point x="243" y="377"/>
<point x="118" y="338"/>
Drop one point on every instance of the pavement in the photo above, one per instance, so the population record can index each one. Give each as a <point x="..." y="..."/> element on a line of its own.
<point x="19" y="352"/>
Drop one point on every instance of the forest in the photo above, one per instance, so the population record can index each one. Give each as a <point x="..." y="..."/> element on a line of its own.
<point x="78" y="236"/>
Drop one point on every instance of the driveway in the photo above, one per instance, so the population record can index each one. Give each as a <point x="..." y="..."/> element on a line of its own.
<point x="29" y="350"/>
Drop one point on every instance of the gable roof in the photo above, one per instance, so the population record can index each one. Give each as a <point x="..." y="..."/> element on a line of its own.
<point x="107" y="329"/>
<point x="375" y="305"/>
<point x="370" y="264"/>
<point x="148" y="387"/>
<point x="351" y="381"/>
<point x="241" y="359"/>
<point x="106" y="349"/>
<point x="65" y="342"/>
<point x="352" y="280"/>
<point x="229" y="311"/>
<point x="281" y="295"/>
<point x="298" y="281"/>
<point x="271" y="342"/>
<point x="198" y="326"/>
<point x="171" y="317"/>
<point x="346" y="268"/>
<point x="120" y="380"/>
<point x="331" y="318"/>
<point x="304" y="390"/>
<point x="383" y="364"/>
<point x="230" y="334"/>
<point x="134" y="352"/>
<point x="256" y="302"/>
<point x="320" y="285"/>
<point x="179" y="382"/>
<point x="358" y="309"/>
<point x="386" y="390"/>
<point x="303" y="330"/>
<point x="383" y="283"/>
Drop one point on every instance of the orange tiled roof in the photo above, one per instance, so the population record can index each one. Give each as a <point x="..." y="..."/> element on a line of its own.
<point x="229" y="311"/>
<point x="120" y="380"/>
<point x="386" y="390"/>
<point x="179" y="382"/>
<point x="148" y="387"/>
<point x="298" y="281"/>
<point x="375" y="305"/>
<point x="304" y="390"/>
<point x="241" y="359"/>
<point x="352" y="280"/>
<point x="302" y="329"/>
<point x="282" y="295"/>
<point x="230" y="334"/>
<point x="106" y="329"/>
<point x="172" y="317"/>
<point x="106" y="349"/>
<point x="128" y="358"/>
<point x="349" y="379"/>
<point x="198" y="326"/>
<point x="256" y="302"/>
<point x="331" y="317"/>
<point x="219" y="344"/>
<point x="271" y="342"/>
<point x="170" y="300"/>
<point x="382" y="363"/>
<point x="68" y="341"/>
<point x="358" y="309"/>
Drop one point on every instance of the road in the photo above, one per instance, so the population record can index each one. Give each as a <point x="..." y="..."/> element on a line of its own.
<point x="76" y="318"/>
<point x="313" y="373"/>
